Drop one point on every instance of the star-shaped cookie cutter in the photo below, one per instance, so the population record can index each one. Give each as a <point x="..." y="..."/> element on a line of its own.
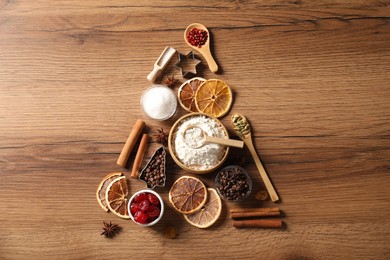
<point x="191" y="72"/>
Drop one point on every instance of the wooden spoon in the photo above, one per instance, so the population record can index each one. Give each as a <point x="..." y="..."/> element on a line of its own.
<point x="161" y="62"/>
<point x="246" y="136"/>
<point x="204" y="49"/>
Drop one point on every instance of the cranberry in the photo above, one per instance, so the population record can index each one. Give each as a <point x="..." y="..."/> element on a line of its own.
<point x="140" y="197"/>
<point x="153" y="212"/>
<point x="140" y="217"/>
<point x="144" y="205"/>
<point x="134" y="207"/>
<point x="153" y="199"/>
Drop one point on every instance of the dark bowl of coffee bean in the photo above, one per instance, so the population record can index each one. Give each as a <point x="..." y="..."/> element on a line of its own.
<point x="233" y="183"/>
<point x="153" y="173"/>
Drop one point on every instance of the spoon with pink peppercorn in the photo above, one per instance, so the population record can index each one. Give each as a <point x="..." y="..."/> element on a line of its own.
<point x="197" y="37"/>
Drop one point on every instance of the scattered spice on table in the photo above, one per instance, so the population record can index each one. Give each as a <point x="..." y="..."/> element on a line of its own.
<point x="197" y="37"/>
<point x="258" y="223"/>
<point x="109" y="229"/>
<point x="261" y="195"/>
<point x="161" y="137"/>
<point x="170" y="81"/>
<point x="139" y="156"/>
<point x="170" y="232"/>
<point x="239" y="213"/>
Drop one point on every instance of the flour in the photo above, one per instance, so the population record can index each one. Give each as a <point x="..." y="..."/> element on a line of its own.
<point x="194" y="137"/>
<point x="206" y="156"/>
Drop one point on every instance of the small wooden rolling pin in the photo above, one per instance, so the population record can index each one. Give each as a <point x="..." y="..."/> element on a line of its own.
<point x="139" y="156"/>
<point x="130" y="142"/>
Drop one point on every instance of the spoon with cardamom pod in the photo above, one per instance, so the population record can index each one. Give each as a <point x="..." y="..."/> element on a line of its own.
<point x="243" y="130"/>
<point x="197" y="36"/>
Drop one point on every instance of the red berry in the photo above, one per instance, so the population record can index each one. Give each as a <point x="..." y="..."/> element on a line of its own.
<point x="153" y="199"/>
<point x="144" y="205"/>
<point x="134" y="207"/>
<point x="140" y="197"/>
<point x="153" y="212"/>
<point x="140" y="217"/>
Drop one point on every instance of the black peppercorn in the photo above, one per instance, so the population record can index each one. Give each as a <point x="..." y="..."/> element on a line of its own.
<point x="154" y="172"/>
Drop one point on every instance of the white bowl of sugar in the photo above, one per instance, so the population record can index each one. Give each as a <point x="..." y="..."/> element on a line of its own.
<point x="159" y="102"/>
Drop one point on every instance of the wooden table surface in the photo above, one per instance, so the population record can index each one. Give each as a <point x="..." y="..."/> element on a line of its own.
<point x="311" y="76"/>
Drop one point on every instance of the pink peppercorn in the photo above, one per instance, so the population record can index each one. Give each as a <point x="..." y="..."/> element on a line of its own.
<point x="197" y="37"/>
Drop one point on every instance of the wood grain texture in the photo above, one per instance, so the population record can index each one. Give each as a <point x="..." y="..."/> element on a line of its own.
<point x="311" y="76"/>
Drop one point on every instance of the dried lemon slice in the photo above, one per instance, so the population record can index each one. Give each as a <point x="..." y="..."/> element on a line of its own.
<point x="214" y="98"/>
<point x="188" y="194"/>
<point x="117" y="197"/>
<point x="209" y="213"/>
<point x="101" y="190"/>
<point x="186" y="93"/>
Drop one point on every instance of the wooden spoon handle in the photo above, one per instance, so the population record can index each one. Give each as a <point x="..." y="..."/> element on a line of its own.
<point x="213" y="66"/>
<point x="224" y="141"/>
<point x="211" y="62"/>
<point x="268" y="184"/>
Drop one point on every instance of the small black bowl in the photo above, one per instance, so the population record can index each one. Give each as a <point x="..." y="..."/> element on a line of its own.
<point x="233" y="183"/>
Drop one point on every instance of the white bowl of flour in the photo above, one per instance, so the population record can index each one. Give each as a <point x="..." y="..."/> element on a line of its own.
<point x="204" y="159"/>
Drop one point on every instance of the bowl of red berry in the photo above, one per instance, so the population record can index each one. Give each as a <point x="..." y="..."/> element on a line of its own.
<point x="146" y="207"/>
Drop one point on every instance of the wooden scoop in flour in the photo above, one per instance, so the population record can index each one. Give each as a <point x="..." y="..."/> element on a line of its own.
<point x="161" y="62"/>
<point x="242" y="128"/>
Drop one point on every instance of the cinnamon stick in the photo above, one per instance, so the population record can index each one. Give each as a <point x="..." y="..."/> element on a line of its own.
<point x="139" y="156"/>
<point x="130" y="142"/>
<point x="254" y="212"/>
<point x="258" y="223"/>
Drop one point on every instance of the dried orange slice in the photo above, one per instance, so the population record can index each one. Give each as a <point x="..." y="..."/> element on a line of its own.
<point x="188" y="194"/>
<point x="214" y="98"/>
<point x="117" y="197"/>
<point x="101" y="190"/>
<point x="186" y="93"/>
<point x="209" y="213"/>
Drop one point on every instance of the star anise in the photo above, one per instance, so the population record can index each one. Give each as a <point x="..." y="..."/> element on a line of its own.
<point x="170" y="81"/>
<point x="109" y="229"/>
<point x="161" y="137"/>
